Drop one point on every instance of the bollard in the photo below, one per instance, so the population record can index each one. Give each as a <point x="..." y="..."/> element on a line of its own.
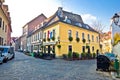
<point x="116" y="67"/>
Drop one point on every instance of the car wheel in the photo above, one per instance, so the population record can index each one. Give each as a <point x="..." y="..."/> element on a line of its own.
<point x="5" y="60"/>
<point x="1" y="62"/>
<point x="13" y="57"/>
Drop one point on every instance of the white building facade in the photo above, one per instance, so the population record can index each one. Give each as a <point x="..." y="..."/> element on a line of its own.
<point x="115" y="25"/>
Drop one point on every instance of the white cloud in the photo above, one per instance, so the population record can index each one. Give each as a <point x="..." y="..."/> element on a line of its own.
<point x="22" y="11"/>
<point x="88" y="18"/>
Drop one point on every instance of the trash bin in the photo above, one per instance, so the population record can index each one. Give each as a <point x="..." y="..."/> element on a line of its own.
<point x="116" y="66"/>
<point x="103" y="63"/>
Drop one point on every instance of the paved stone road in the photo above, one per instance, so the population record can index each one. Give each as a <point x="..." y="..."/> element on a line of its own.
<point x="28" y="68"/>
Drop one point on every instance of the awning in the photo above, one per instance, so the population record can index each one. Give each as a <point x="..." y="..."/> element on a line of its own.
<point x="49" y="43"/>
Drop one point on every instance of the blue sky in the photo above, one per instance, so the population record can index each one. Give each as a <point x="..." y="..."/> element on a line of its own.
<point x="22" y="11"/>
<point x="103" y="10"/>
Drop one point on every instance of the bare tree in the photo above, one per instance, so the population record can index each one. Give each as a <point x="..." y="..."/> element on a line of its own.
<point x="98" y="26"/>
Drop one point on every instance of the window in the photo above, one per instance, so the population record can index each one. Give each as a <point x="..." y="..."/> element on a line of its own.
<point x="83" y="48"/>
<point x="0" y="22"/>
<point x="92" y="38"/>
<point x="53" y="32"/>
<point x="77" y="34"/>
<point x="34" y="37"/>
<point x="92" y="48"/>
<point x="1" y="41"/>
<point x="70" y="48"/>
<point x="3" y="25"/>
<point x="87" y="26"/>
<point x="68" y="21"/>
<point x="44" y="35"/>
<point x="83" y="36"/>
<point x="88" y="37"/>
<point x="97" y="39"/>
<point x="38" y="36"/>
<point x="69" y="33"/>
<point x="6" y="28"/>
<point x="78" y="24"/>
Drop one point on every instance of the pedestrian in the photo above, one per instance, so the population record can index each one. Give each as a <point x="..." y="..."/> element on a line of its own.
<point x="97" y="52"/>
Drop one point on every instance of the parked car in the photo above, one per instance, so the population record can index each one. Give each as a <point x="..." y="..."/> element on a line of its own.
<point x="7" y="52"/>
<point x="1" y="58"/>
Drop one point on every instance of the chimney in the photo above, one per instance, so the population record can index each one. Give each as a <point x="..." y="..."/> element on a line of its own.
<point x="60" y="8"/>
<point x="59" y="12"/>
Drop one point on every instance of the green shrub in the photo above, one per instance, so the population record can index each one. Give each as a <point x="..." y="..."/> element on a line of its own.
<point x="64" y="56"/>
<point x="75" y="55"/>
<point x="69" y="54"/>
<point x="94" y="55"/>
<point x="90" y="55"/>
<point x="83" y="55"/>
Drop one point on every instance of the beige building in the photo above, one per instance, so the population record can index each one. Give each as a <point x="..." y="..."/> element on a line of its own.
<point x="105" y="42"/>
<point x="5" y="24"/>
<point x="28" y="30"/>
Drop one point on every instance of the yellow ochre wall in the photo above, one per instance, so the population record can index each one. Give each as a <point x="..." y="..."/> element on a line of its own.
<point x="3" y="34"/>
<point x="62" y="32"/>
<point x="76" y="46"/>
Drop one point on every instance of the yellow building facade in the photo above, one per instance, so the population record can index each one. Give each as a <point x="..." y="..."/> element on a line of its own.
<point x="3" y="25"/>
<point x="62" y="35"/>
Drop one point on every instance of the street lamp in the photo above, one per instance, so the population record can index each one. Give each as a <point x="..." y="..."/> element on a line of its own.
<point x="116" y="18"/>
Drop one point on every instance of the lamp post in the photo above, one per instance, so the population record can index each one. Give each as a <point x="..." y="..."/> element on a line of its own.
<point x="116" y="18"/>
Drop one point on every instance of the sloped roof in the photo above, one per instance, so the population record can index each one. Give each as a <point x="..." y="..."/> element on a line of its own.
<point x="66" y="17"/>
<point x="105" y="36"/>
<point x="69" y="18"/>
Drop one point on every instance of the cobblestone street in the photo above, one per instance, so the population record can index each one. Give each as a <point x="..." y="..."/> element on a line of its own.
<point x="24" y="67"/>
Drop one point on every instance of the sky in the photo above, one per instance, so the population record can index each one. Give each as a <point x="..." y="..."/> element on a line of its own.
<point x="23" y="11"/>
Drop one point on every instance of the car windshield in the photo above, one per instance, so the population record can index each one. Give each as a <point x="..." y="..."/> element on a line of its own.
<point x="4" y="50"/>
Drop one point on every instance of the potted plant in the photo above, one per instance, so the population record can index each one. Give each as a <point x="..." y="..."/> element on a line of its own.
<point x="84" y="40"/>
<point x="59" y="46"/>
<point x="77" y="39"/>
<point x="87" y="47"/>
<point x="44" y="40"/>
<point x="53" y="38"/>
<point x="48" y="39"/>
<point x="70" y="39"/>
